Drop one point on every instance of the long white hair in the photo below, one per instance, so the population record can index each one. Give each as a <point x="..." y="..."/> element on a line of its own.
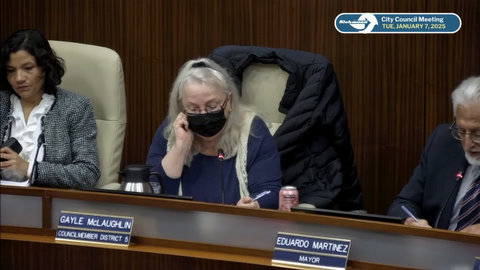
<point x="206" y="71"/>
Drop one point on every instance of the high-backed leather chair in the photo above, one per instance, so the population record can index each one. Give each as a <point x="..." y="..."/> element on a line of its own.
<point x="297" y="92"/>
<point x="97" y="73"/>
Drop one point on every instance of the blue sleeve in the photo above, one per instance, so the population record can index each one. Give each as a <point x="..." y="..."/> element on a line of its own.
<point x="157" y="151"/>
<point x="263" y="165"/>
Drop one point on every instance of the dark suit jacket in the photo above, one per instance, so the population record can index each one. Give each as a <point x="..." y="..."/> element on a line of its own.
<point x="434" y="183"/>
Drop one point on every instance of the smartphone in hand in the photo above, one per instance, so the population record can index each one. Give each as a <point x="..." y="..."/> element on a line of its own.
<point x="13" y="144"/>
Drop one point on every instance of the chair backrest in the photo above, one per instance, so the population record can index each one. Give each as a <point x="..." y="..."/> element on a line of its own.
<point x="272" y="80"/>
<point x="96" y="73"/>
<point x="298" y="92"/>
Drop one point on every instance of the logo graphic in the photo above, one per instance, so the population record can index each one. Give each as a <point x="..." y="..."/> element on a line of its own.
<point x="398" y="23"/>
<point x="366" y="22"/>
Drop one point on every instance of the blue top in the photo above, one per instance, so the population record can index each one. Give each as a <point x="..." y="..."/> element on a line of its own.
<point x="202" y="179"/>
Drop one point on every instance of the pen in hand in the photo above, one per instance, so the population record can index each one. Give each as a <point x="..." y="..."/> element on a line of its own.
<point x="405" y="209"/>
<point x="261" y="195"/>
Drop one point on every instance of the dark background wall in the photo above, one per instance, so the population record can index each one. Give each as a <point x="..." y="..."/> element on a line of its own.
<point x="395" y="87"/>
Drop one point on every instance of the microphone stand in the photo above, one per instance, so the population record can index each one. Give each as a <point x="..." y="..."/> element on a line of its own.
<point x="41" y="140"/>
<point x="221" y="156"/>
<point x="457" y="181"/>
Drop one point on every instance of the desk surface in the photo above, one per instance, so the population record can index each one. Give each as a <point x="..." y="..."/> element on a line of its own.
<point x="250" y="233"/>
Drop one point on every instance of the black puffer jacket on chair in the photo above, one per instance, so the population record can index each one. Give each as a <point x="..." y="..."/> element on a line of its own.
<point x="313" y="141"/>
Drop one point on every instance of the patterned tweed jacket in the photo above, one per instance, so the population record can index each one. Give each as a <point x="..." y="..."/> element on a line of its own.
<point x="70" y="157"/>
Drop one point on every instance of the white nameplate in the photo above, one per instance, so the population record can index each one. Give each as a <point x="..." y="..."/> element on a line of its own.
<point x="307" y="251"/>
<point x="94" y="228"/>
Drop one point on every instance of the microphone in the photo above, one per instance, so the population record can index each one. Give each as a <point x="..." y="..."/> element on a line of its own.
<point x="457" y="182"/>
<point x="221" y="156"/>
<point x="40" y="141"/>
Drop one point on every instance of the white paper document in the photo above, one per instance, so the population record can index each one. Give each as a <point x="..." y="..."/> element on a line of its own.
<point x="14" y="183"/>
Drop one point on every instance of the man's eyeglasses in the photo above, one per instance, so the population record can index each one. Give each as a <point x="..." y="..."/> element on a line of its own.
<point x="460" y="133"/>
<point x="208" y="109"/>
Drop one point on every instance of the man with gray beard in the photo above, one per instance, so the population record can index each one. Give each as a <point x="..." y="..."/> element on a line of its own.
<point x="444" y="191"/>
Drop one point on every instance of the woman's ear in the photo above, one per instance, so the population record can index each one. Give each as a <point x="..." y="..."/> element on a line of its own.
<point x="230" y="100"/>
<point x="228" y="106"/>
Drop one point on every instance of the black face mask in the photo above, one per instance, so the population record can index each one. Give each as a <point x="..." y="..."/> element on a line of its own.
<point x="207" y="124"/>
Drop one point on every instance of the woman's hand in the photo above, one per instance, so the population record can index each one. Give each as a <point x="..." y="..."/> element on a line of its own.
<point x="183" y="135"/>
<point x="14" y="161"/>
<point x="248" y="202"/>
<point x="174" y="160"/>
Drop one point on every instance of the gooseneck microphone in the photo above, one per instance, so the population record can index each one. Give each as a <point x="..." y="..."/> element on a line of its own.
<point x="40" y="141"/>
<point x="457" y="182"/>
<point x="221" y="156"/>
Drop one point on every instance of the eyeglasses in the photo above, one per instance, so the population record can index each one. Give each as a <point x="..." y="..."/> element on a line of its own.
<point x="460" y="133"/>
<point x="208" y="109"/>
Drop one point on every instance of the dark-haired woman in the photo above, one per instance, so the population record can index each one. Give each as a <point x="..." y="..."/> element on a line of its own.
<point x="56" y="128"/>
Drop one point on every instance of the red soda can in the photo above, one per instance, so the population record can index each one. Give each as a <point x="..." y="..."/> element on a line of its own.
<point x="288" y="197"/>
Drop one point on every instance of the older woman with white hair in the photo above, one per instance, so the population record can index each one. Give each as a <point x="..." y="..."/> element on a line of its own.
<point x="211" y="146"/>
